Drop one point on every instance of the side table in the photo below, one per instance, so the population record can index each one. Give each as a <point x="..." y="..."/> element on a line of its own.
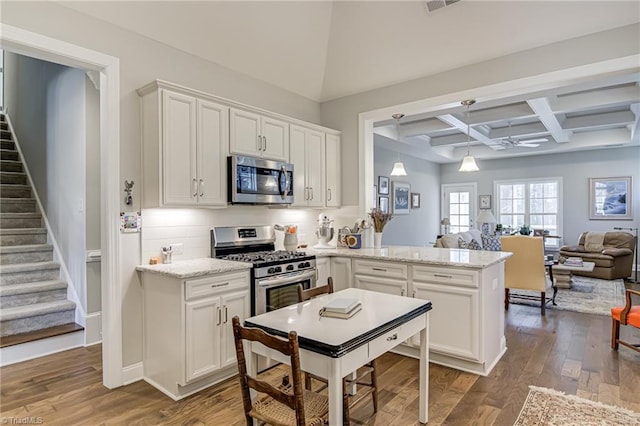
<point x="563" y="272"/>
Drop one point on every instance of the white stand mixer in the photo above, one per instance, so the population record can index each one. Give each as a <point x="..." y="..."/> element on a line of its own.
<point x="324" y="233"/>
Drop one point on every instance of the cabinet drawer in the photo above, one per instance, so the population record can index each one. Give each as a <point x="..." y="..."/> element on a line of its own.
<point x="393" y="338"/>
<point x="463" y="278"/>
<point x="381" y="269"/>
<point x="215" y="284"/>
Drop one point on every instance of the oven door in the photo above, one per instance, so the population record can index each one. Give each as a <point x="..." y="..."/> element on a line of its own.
<point x="258" y="181"/>
<point x="277" y="292"/>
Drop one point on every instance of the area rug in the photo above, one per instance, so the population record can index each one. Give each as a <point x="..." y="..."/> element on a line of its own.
<point x="590" y="296"/>
<point x="552" y="408"/>
<point x="587" y="295"/>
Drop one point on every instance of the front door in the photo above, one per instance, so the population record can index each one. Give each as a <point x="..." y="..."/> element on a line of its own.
<point x="459" y="205"/>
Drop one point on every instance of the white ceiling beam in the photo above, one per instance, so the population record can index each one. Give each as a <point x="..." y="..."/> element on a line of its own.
<point x="635" y="126"/>
<point x="597" y="99"/>
<point x="462" y="126"/>
<point x="542" y="107"/>
<point x="489" y="115"/>
<point x="608" y="119"/>
<point x="423" y="127"/>
<point x="528" y="130"/>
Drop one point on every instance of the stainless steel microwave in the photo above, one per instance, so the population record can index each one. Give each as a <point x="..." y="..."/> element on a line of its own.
<point x="259" y="181"/>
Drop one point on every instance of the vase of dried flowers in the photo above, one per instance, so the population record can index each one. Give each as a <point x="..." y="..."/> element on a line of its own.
<point x="379" y="219"/>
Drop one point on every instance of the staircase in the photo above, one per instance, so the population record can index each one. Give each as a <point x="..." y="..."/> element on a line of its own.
<point x="33" y="299"/>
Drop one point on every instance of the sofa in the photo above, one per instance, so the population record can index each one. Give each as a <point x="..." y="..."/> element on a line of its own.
<point x="472" y="239"/>
<point x="613" y="260"/>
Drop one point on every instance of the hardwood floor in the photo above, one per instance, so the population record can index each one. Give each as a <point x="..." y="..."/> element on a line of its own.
<point x="565" y="351"/>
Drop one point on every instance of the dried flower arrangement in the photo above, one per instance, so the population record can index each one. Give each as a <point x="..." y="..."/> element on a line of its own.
<point x="379" y="219"/>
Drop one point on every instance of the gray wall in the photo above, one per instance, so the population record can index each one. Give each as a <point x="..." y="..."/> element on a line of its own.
<point x="420" y="227"/>
<point x="575" y="170"/>
<point x="343" y="113"/>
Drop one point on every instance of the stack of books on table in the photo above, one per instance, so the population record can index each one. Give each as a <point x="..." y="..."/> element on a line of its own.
<point x="573" y="261"/>
<point x="341" y="308"/>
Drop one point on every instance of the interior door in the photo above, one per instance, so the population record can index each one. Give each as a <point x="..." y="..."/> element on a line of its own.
<point x="459" y="204"/>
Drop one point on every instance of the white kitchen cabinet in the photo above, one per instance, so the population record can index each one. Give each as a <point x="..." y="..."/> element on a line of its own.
<point x="188" y="338"/>
<point x="256" y="135"/>
<point x="342" y="273"/>
<point x="333" y="169"/>
<point x="383" y="277"/>
<point x="307" y="153"/>
<point x="184" y="143"/>
<point x="323" y="268"/>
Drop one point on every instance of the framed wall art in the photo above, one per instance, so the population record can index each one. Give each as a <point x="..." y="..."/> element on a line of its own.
<point x="401" y="192"/>
<point x="610" y="198"/>
<point x="485" y="201"/>
<point x="415" y="200"/>
<point x="383" y="185"/>
<point x="383" y="204"/>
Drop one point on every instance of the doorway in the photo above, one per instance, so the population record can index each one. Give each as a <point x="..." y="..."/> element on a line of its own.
<point x="459" y="205"/>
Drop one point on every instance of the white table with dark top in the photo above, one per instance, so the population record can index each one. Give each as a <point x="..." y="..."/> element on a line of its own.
<point x="332" y="348"/>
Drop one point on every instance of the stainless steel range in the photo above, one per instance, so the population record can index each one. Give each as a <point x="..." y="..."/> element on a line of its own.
<point x="275" y="274"/>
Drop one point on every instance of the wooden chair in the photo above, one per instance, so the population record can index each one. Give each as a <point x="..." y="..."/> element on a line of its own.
<point x="280" y="406"/>
<point x="371" y="386"/>
<point x="625" y="315"/>
<point x="525" y="270"/>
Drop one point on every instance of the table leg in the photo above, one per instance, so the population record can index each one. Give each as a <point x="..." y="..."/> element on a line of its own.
<point x="553" y="285"/>
<point x="424" y="371"/>
<point x="335" y="393"/>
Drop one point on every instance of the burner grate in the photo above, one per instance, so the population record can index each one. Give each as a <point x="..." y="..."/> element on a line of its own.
<point x="265" y="256"/>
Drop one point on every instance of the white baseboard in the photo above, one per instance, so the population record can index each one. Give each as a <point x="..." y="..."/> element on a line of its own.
<point x="26" y="351"/>
<point x="132" y="373"/>
<point x="93" y="328"/>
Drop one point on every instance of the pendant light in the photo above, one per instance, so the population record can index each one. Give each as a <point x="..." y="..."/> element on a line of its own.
<point x="468" y="162"/>
<point x="398" y="167"/>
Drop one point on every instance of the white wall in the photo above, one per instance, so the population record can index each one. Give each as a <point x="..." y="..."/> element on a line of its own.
<point x="575" y="170"/>
<point x="420" y="227"/>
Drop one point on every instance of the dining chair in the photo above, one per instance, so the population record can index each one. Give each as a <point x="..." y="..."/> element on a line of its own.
<point x="525" y="270"/>
<point x="625" y="315"/>
<point x="369" y="369"/>
<point x="286" y="405"/>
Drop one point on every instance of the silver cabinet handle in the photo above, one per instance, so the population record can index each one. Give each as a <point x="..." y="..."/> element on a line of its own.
<point x="202" y="187"/>
<point x="413" y="294"/>
<point x="306" y="192"/>
<point x="226" y="314"/>
<point x="379" y="269"/>
<point x="443" y="276"/>
<point x="394" y="337"/>
<point x="195" y="187"/>
<point x="311" y="189"/>
<point x="259" y="143"/>
<point x="402" y="292"/>
<point x="329" y="194"/>
<point x="219" y="285"/>
<point x="219" y="316"/>
<point x="264" y="139"/>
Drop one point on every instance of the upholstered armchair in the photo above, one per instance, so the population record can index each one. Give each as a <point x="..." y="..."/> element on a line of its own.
<point x="525" y="269"/>
<point x="613" y="260"/>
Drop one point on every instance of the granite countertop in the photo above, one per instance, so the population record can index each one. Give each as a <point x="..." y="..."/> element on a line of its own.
<point x="194" y="268"/>
<point x="426" y="255"/>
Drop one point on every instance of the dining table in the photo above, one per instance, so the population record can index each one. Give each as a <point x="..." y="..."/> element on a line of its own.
<point x="333" y="348"/>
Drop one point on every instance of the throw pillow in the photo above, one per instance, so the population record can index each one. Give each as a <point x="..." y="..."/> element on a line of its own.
<point x="491" y="242"/>
<point x="471" y="245"/>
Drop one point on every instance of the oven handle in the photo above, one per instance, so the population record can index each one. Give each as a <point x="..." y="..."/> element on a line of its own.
<point x="287" y="279"/>
<point x="287" y="183"/>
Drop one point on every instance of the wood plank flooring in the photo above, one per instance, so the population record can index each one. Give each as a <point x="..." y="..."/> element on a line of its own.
<point x="565" y="351"/>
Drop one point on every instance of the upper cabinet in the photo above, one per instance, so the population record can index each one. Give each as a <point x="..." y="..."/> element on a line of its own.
<point x="332" y="170"/>
<point x="258" y="136"/>
<point x="184" y="143"/>
<point x="307" y="153"/>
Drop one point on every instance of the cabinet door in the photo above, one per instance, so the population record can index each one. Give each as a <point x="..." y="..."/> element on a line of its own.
<point x="454" y="325"/>
<point x="179" y="176"/>
<point x="323" y="266"/>
<point x="244" y="133"/>
<point x="275" y="139"/>
<point x="341" y="273"/>
<point x="203" y="319"/>
<point x="332" y="170"/>
<point x="381" y="285"/>
<point x="315" y="167"/>
<point x="297" y="146"/>
<point x="213" y="134"/>
<point x="232" y="304"/>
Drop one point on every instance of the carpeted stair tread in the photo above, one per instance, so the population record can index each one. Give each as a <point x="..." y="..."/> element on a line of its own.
<point x="22" y="231"/>
<point x="20" y="215"/>
<point x="19" y="312"/>
<point x="28" y="267"/>
<point x="27" y="248"/>
<point x="24" y="288"/>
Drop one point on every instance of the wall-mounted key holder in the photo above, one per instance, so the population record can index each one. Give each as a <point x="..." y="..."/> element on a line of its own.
<point x="128" y="199"/>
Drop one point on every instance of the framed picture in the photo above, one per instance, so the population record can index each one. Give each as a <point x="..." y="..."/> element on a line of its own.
<point x="485" y="201"/>
<point x="383" y="204"/>
<point x="610" y="198"/>
<point x="383" y="185"/>
<point x="375" y="196"/>
<point x="415" y="200"/>
<point x="401" y="193"/>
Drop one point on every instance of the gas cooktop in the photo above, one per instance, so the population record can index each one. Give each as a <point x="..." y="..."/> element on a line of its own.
<point x="266" y="256"/>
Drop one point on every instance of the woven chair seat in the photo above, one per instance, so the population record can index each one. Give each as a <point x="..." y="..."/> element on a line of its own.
<point x="270" y="411"/>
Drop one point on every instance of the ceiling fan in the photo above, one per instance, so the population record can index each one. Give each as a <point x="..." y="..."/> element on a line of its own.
<point x="511" y="142"/>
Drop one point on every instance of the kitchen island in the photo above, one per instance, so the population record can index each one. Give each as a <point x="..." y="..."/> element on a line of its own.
<point x="466" y="288"/>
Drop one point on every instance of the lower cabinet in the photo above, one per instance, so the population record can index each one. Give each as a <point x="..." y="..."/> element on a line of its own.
<point x="323" y="268"/>
<point x="341" y="273"/>
<point x="383" y="277"/>
<point x="381" y="285"/>
<point x="188" y="337"/>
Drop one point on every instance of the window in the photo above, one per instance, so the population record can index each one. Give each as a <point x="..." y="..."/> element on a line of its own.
<point x="533" y="202"/>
